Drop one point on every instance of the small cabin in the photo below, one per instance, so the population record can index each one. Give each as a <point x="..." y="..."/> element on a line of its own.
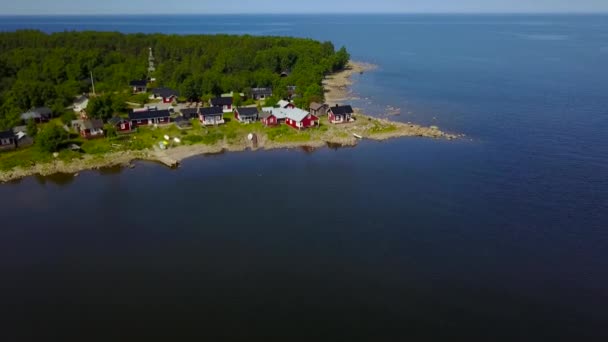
<point x="211" y="116"/>
<point x="149" y="116"/>
<point x="285" y="104"/>
<point x="318" y="109"/>
<point x="139" y="86"/>
<point x="246" y="114"/>
<point x="122" y="125"/>
<point x="166" y="94"/>
<point x="8" y="140"/>
<point x="340" y="114"/>
<point x="40" y="114"/>
<point x="190" y="113"/>
<point x="261" y="93"/>
<point x="268" y="119"/>
<point x="92" y="129"/>
<point x="223" y="102"/>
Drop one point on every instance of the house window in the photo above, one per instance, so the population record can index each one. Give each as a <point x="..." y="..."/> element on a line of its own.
<point x="138" y="121"/>
<point x="5" y="142"/>
<point x="122" y="126"/>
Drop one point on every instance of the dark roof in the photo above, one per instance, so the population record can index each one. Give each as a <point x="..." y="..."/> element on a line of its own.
<point x="149" y="114"/>
<point x="265" y="115"/>
<point x="221" y="101"/>
<point x="139" y="83"/>
<point x="189" y="112"/>
<point x="93" y="124"/>
<point x="208" y="111"/>
<point x="247" y="111"/>
<point x="181" y="121"/>
<point x="7" y="134"/>
<point x="165" y="92"/>
<point x="341" y="110"/>
<point x="44" y="111"/>
<point x="116" y="120"/>
<point x="317" y="106"/>
<point x="261" y="91"/>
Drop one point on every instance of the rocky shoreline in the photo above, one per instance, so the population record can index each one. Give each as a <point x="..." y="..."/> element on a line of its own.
<point x="337" y="90"/>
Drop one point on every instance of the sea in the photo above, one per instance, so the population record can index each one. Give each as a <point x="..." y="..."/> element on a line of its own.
<point x="501" y="235"/>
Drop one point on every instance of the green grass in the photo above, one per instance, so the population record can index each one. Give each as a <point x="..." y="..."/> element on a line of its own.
<point x="285" y="133"/>
<point x="382" y="128"/>
<point x="23" y="158"/>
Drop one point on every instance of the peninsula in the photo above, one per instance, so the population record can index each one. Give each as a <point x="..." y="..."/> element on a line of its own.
<point x="181" y="106"/>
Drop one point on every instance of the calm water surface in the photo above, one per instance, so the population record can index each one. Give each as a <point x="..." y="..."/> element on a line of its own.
<point x="500" y="236"/>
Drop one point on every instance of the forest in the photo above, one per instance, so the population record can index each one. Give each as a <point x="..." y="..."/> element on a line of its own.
<point x="39" y="69"/>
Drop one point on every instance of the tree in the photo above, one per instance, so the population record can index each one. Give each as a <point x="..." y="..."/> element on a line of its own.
<point x="32" y="128"/>
<point x="51" y="137"/>
<point x="237" y="100"/>
<point x="110" y="131"/>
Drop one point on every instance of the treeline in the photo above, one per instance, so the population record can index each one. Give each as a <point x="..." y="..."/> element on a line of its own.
<point x="38" y="69"/>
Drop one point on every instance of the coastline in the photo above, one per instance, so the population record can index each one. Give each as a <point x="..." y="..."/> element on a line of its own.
<point x="337" y="87"/>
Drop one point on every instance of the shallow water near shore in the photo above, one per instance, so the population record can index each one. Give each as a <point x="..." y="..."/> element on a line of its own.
<point x="500" y="236"/>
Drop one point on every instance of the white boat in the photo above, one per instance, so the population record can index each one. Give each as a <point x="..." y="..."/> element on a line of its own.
<point x="357" y="136"/>
<point x="167" y="137"/>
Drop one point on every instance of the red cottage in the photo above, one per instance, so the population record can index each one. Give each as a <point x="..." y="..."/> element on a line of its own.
<point x="149" y="117"/>
<point x="121" y="125"/>
<point x="285" y="104"/>
<point x="223" y="102"/>
<point x="166" y="94"/>
<point x="340" y="114"/>
<point x="268" y="119"/>
<point x="300" y="119"/>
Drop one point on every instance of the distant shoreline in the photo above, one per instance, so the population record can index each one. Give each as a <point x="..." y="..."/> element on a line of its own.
<point x="337" y="87"/>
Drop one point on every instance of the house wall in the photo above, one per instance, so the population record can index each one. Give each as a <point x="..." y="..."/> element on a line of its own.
<point x="270" y="121"/>
<point x="7" y="144"/>
<point x="307" y="122"/>
<point x="124" y="126"/>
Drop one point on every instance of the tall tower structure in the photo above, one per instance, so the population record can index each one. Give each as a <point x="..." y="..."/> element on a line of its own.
<point x="151" y="67"/>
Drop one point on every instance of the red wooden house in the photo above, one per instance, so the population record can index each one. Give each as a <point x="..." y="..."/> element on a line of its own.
<point x="149" y="117"/>
<point x="121" y="125"/>
<point x="300" y="119"/>
<point x="166" y="94"/>
<point x="286" y="104"/>
<point x="224" y="102"/>
<point x="268" y="119"/>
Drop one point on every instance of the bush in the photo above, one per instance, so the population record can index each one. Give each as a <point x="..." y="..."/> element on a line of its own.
<point x="51" y="137"/>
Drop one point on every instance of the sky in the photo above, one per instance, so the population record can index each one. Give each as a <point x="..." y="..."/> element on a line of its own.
<point x="50" y="7"/>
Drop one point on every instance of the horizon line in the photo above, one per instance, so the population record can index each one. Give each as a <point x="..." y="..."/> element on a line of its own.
<point x="307" y="13"/>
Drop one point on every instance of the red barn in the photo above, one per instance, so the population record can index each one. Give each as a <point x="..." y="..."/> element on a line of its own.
<point x="149" y="117"/>
<point x="300" y="119"/>
<point x="121" y="125"/>
<point x="269" y="119"/>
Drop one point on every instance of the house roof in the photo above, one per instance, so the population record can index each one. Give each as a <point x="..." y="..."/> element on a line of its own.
<point x="283" y="103"/>
<point x="116" y="120"/>
<point x="93" y="124"/>
<point x="278" y="112"/>
<point x="8" y="134"/>
<point x="221" y="101"/>
<point x="189" y="112"/>
<point x="208" y="111"/>
<point x="139" y="83"/>
<point x="261" y="91"/>
<point x="37" y="113"/>
<point x="341" y="110"/>
<point x="247" y="111"/>
<point x="265" y="115"/>
<point x="296" y="114"/>
<point x="149" y="114"/>
<point x="316" y="106"/>
<point x="18" y="129"/>
<point x="81" y="99"/>
<point x="165" y="92"/>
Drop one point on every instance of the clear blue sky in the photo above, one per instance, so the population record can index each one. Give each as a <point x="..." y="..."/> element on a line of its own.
<point x="8" y="7"/>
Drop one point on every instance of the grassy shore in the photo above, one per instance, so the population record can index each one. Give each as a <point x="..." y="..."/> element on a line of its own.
<point x="142" y="145"/>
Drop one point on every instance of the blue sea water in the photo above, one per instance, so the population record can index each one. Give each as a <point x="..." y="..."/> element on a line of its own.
<point x="498" y="236"/>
